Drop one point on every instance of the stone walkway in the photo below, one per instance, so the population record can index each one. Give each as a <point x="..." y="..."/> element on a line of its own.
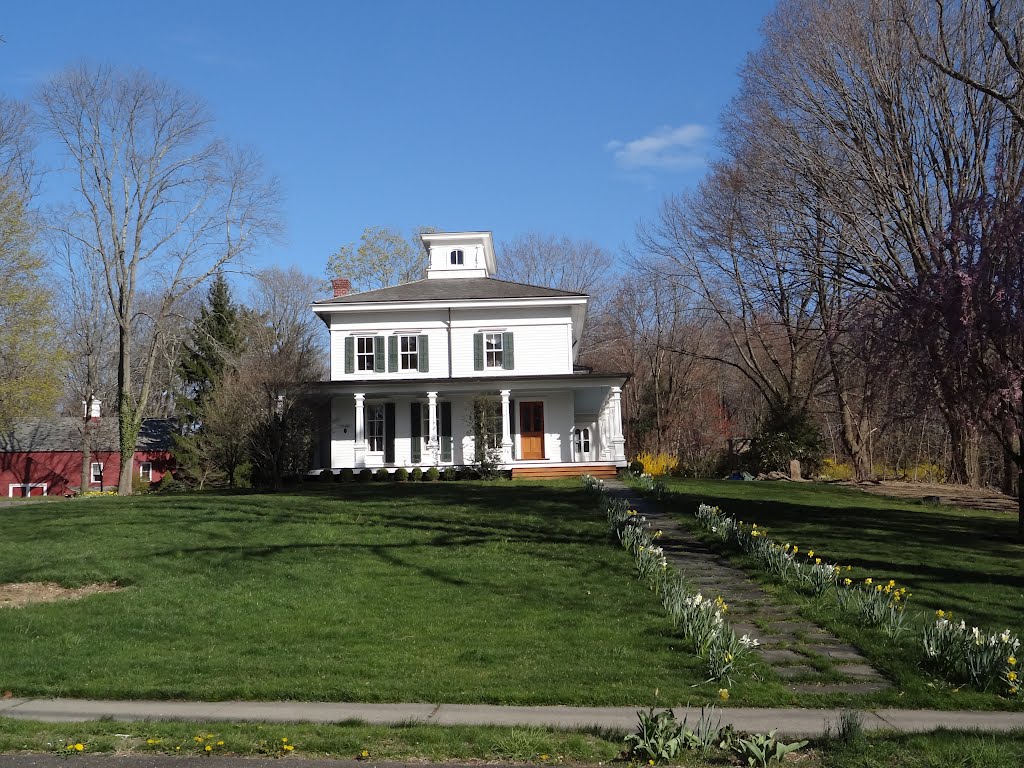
<point x="807" y="657"/>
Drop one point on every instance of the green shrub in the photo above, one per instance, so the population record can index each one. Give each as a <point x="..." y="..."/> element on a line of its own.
<point x="346" y="475"/>
<point x="382" y="475"/>
<point x="326" y="476"/>
<point x="416" y="475"/>
<point x="450" y="473"/>
<point x="636" y="467"/>
<point x="365" y="475"/>
<point x="401" y="474"/>
<point x="432" y="475"/>
<point x="169" y="484"/>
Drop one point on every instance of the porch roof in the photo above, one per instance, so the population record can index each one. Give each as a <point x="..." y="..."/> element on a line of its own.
<point x="467" y="384"/>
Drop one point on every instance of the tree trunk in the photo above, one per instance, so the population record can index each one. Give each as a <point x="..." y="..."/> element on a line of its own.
<point x="965" y="463"/>
<point x="126" y="428"/>
<point x="86" y="451"/>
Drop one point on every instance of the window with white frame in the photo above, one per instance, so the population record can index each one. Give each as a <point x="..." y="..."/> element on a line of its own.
<point x="364" y="353"/>
<point x="583" y="440"/>
<point x="425" y="426"/>
<point x="375" y="427"/>
<point x="96" y="473"/>
<point x="494" y="355"/>
<point x="456" y="257"/>
<point x="146" y="471"/>
<point x="408" y="353"/>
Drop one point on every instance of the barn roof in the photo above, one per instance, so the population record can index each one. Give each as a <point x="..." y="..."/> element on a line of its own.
<point x="64" y="433"/>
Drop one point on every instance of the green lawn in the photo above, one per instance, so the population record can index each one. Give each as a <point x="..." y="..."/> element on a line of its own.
<point x="534" y="745"/>
<point x="967" y="561"/>
<point x="449" y="592"/>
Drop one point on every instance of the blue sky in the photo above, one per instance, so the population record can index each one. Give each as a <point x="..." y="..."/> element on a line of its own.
<point x="572" y="118"/>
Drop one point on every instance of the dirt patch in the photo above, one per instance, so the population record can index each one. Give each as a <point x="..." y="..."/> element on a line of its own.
<point x="26" y="593"/>
<point x="957" y="495"/>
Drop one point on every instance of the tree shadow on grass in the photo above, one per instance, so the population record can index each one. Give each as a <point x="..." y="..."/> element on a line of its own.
<point x="946" y="548"/>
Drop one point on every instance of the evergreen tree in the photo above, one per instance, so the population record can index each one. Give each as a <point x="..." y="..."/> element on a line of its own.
<point x="216" y="341"/>
<point x="206" y="362"/>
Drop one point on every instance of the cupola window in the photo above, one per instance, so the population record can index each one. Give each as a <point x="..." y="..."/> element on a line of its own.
<point x="456" y="256"/>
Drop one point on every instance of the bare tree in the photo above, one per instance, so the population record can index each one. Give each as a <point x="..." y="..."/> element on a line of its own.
<point x="280" y="300"/>
<point x="383" y="257"/>
<point x="957" y="34"/>
<point x="159" y="200"/>
<point x="556" y="262"/>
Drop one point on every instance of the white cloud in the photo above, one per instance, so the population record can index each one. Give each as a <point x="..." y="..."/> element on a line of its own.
<point x="667" y="148"/>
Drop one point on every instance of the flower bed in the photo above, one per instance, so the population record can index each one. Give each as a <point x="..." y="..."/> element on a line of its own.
<point x="700" y="620"/>
<point x="984" y="660"/>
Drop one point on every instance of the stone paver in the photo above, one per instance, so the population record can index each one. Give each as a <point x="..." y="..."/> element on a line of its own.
<point x="753" y="612"/>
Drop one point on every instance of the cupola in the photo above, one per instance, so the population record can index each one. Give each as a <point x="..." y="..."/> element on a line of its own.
<point x="459" y="254"/>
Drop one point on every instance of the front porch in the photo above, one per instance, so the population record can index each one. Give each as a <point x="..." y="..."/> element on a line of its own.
<point x="541" y="427"/>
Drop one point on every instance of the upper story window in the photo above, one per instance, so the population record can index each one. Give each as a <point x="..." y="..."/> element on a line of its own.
<point x="408" y="353"/>
<point x="494" y="350"/>
<point x="456" y="256"/>
<point x="364" y="353"/>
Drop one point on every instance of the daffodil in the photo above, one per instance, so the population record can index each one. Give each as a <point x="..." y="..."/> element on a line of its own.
<point x="723" y="694"/>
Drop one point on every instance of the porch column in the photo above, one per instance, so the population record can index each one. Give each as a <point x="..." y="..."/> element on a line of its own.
<point x="433" y="444"/>
<point x="506" y="428"/>
<point x="618" y="440"/>
<point x="360" y="442"/>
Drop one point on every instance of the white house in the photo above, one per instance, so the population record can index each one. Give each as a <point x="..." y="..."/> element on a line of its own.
<point x="410" y="363"/>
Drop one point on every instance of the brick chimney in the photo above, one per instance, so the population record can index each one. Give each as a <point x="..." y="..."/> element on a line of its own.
<point x="342" y="286"/>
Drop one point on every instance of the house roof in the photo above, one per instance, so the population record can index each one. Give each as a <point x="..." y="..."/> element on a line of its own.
<point x="466" y="288"/>
<point x="64" y="433"/>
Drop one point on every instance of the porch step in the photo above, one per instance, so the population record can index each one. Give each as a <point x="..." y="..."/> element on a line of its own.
<point x="603" y="471"/>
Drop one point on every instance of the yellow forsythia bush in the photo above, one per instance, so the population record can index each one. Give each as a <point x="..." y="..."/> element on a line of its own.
<point x="835" y="470"/>
<point x="658" y="465"/>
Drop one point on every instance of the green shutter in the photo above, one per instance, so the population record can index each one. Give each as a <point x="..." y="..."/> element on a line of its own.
<point x="478" y="351"/>
<point x="392" y="353"/>
<point x="378" y="354"/>
<point x="350" y="355"/>
<point x="389" y="433"/>
<point x="508" y="358"/>
<point x="415" y="436"/>
<point x="446" y="431"/>
<point x="423" y="353"/>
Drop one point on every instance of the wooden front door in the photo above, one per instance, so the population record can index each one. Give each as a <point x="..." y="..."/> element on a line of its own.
<point x="531" y="430"/>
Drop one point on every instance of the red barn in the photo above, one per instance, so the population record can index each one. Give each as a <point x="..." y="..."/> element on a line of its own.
<point x="43" y="457"/>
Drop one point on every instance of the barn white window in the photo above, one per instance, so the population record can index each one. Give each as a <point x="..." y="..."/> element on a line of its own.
<point x="146" y="471"/>
<point x="96" y="473"/>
